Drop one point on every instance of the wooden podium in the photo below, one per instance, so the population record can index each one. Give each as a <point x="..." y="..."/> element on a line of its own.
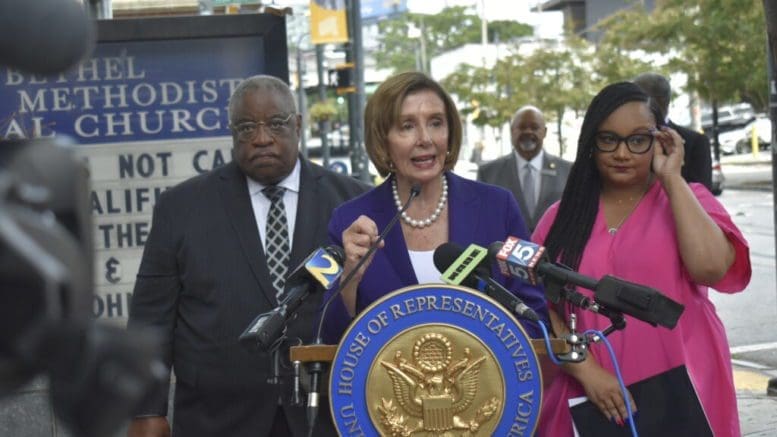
<point x="325" y="353"/>
<point x="434" y="358"/>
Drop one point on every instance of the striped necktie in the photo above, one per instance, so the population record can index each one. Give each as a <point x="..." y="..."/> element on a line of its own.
<point x="277" y="238"/>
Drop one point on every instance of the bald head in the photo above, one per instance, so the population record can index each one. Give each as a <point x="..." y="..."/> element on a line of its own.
<point x="527" y="131"/>
<point x="262" y="82"/>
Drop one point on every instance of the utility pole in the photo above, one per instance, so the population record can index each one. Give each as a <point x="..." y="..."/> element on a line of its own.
<point x="425" y="68"/>
<point x="301" y="106"/>
<point x="483" y="30"/>
<point x="323" y="125"/>
<point x="357" y="100"/>
<point x="770" y="13"/>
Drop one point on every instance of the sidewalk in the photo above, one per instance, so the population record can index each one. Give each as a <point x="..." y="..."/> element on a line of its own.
<point x="757" y="410"/>
<point x="763" y="157"/>
<point x="748" y="172"/>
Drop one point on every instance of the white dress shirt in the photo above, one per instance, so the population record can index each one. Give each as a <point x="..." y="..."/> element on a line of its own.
<point x="536" y="164"/>
<point x="261" y="204"/>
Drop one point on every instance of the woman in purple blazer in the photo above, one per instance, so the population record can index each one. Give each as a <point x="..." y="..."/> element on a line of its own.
<point x="413" y="136"/>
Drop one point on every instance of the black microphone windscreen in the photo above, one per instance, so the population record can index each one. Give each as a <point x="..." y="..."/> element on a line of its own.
<point x="44" y="36"/>
<point x="494" y="248"/>
<point x="415" y="190"/>
<point x="639" y="301"/>
<point x="446" y="254"/>
<point x="337" y="253"/>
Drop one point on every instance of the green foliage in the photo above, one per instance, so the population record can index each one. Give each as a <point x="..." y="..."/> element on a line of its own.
<point x="451" y="28"/>
<point x="505" y="30"/>
<point x="719" y="44"/>
<point x="554" y="78"/>
<point x="323" y="111"/>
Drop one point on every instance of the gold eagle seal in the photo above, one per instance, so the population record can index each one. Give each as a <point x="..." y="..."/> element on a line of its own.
<point x="435" y="379"/>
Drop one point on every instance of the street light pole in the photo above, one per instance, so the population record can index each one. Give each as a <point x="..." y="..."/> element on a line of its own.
<point x="357" y="99"/>
<point x="301" y="107"/>
<point x="770" y="13"/>
<point x="323" y="125"/>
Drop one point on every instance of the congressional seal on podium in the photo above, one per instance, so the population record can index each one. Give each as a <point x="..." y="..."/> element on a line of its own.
<point x="432" y="360"/>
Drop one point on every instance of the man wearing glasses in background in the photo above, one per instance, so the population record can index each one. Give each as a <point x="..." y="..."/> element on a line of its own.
<point x="219" y="250"/>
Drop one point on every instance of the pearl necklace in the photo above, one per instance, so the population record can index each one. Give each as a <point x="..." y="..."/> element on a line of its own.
<point x="432" y="218"/>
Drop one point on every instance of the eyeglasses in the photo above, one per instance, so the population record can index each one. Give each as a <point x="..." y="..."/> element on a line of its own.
<point x="277" y="125"/>
<point x="636" y="143"/>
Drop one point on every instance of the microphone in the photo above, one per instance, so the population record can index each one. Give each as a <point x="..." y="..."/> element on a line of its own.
<point x="644" y="303"/>
<point x="317" y="368"/>
<point x="415" y="190"/>
<point x="529" y="262"/>
<point x="323" y="267"/>
<point x="471" y="267"/>
<point x="68" y="36"/>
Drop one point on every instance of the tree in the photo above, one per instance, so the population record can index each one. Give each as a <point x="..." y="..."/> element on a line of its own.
<point x="718" y="44"/>
<point x="453" y="27"/>
<point x="559" y="78"/>
<point x="507" y="30"/>
<point x="554" y="78"/>
<point x="611" y="63"/>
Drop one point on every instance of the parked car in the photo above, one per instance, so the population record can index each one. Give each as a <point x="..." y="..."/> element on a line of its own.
<point x="729" y="117"/>
<point x="729" y="140"/>
<point x="763" y="130"/>
<point x="731" y="122"/>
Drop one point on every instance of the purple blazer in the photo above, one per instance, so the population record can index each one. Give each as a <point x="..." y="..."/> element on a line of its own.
<point x="477" y="213"/>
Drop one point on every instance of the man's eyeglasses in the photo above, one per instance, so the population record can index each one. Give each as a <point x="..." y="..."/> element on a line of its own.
<point x="248" y="130"/>
<point x="636" y="143"/>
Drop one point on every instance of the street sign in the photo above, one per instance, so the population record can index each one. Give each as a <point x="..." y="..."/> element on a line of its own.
<point x="376" y="9"/>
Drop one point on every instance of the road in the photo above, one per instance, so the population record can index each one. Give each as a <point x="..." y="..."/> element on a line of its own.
<point x="750" y="317"/>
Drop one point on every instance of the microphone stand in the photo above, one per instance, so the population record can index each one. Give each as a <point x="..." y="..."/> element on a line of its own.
<point x="275" y="360"/>
<point x="579" y="344"/>
<point x="317" y="368"/>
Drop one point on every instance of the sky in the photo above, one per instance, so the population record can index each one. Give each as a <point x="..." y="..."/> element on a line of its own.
<point x="546" y="24"/>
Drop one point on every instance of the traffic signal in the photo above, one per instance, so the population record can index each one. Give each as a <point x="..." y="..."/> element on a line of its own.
<point x="341" y="78"/>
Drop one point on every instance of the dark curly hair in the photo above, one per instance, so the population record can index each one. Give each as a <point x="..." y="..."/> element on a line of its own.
<point x="579" y="205"/>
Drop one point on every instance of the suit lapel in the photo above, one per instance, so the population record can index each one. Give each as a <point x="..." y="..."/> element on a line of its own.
<point x="549" y="179"/>
<point x="236" y="203"/>
<point x="310" y="210"/>
<point x="463" y="212"/>
<point x="396" y="246"/>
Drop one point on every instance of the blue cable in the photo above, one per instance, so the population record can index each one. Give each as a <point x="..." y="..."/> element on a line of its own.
<point x="547" y="344"/>
<point x="556" y="361"/>
<point x="620" y="378"/>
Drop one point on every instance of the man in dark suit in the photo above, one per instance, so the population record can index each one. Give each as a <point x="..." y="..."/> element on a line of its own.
<point x="215" y="259"/>
<point x="535" y="177"/>
<point x="698" y="159"/>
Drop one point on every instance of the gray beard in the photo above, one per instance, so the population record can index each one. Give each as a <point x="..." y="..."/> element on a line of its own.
<point x="527" y="145"/>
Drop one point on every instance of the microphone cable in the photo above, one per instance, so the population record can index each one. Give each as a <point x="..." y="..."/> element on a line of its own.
<point x="318" y="367"/>
<point x="597" y="334"/>
<point x="414" y="192"/>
